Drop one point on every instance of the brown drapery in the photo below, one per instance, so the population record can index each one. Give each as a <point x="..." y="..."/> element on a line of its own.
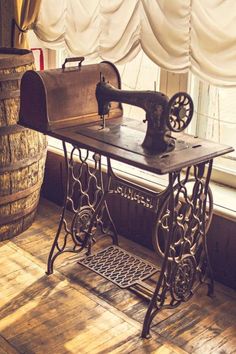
<point x="25" y="16"/>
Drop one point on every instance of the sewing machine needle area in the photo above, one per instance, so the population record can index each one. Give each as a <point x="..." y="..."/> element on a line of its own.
<point x="124" y="133"/>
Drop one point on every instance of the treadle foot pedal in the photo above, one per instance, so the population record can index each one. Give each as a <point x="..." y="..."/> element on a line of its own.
<point x="119" y="266"/>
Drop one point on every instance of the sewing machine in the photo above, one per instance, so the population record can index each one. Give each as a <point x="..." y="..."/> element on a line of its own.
<point x="162" y="115"/>
<point x="81" y="108"/>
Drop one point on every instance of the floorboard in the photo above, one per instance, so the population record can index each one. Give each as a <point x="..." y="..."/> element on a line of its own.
<point x="77" y="311"/>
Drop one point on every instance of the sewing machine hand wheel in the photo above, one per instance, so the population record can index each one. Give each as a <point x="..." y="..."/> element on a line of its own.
<point x="180" y="112"/>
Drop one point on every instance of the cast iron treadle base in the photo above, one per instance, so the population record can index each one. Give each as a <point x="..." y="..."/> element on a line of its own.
<point x="119" y="266"/>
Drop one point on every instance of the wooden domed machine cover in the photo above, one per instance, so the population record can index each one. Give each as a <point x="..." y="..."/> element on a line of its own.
<point x="61" y="98"/>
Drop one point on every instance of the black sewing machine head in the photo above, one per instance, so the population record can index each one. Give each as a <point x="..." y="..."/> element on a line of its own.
<point x="163" y="116"/>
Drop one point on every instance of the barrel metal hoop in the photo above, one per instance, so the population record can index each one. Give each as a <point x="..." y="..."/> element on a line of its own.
<point x="11" y="129"/>
<point x="20" y="195"/>
<point x="11" y="76"/>
<point x="9" y="94"/>
<point x="23" y="163"/>
<point x="12" y="218"/>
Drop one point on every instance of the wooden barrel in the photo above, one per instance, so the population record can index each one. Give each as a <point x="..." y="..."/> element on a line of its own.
<point x="22" y="151"/>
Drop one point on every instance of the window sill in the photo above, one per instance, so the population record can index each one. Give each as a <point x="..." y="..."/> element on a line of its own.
<point x="224" y="201"/>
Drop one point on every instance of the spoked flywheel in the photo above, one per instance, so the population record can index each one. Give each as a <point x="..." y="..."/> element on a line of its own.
<point x="180" y="112"/>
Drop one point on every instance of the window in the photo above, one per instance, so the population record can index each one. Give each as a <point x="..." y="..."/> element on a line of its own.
<point x="214" y="119"/>
<point x="214" y="114"/>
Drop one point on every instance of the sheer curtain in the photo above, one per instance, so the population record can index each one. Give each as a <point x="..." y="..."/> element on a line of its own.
<point x="178" y="35"/>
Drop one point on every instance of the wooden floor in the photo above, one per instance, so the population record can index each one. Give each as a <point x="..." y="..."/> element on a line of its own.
<point x="77" y="311"/>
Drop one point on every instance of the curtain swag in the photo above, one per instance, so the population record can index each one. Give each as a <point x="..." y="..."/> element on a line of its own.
<point x="178" y="35"/>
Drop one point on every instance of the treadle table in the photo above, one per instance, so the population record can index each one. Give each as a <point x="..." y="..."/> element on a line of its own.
<point x="63" y="103"/>
<point x="182" y="212"/>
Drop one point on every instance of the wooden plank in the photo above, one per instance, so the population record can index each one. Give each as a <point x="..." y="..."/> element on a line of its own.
<point x="6" y="347"/>
<point x="117" y="334"/>
<point x="217" y="330"/>
<point x="78" y="287"/>
<point x="77" y="311"/>
<point x="49" y="310"/>
<point x="135" y="344"/>
<point x="203" y="320"/>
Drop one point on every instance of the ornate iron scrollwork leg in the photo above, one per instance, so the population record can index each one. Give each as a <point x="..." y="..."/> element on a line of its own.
<point x="180" y="238"/>
<point x="85" y="207"/>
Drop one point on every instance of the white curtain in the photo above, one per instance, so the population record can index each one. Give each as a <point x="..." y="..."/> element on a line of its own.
<point x="178" y="35"/>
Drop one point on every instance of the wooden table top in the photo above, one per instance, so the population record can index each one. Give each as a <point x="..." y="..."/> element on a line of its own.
<point x="122" y="138"/>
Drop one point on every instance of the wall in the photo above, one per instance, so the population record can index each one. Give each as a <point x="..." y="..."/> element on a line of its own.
<point x="6" y="15"/>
